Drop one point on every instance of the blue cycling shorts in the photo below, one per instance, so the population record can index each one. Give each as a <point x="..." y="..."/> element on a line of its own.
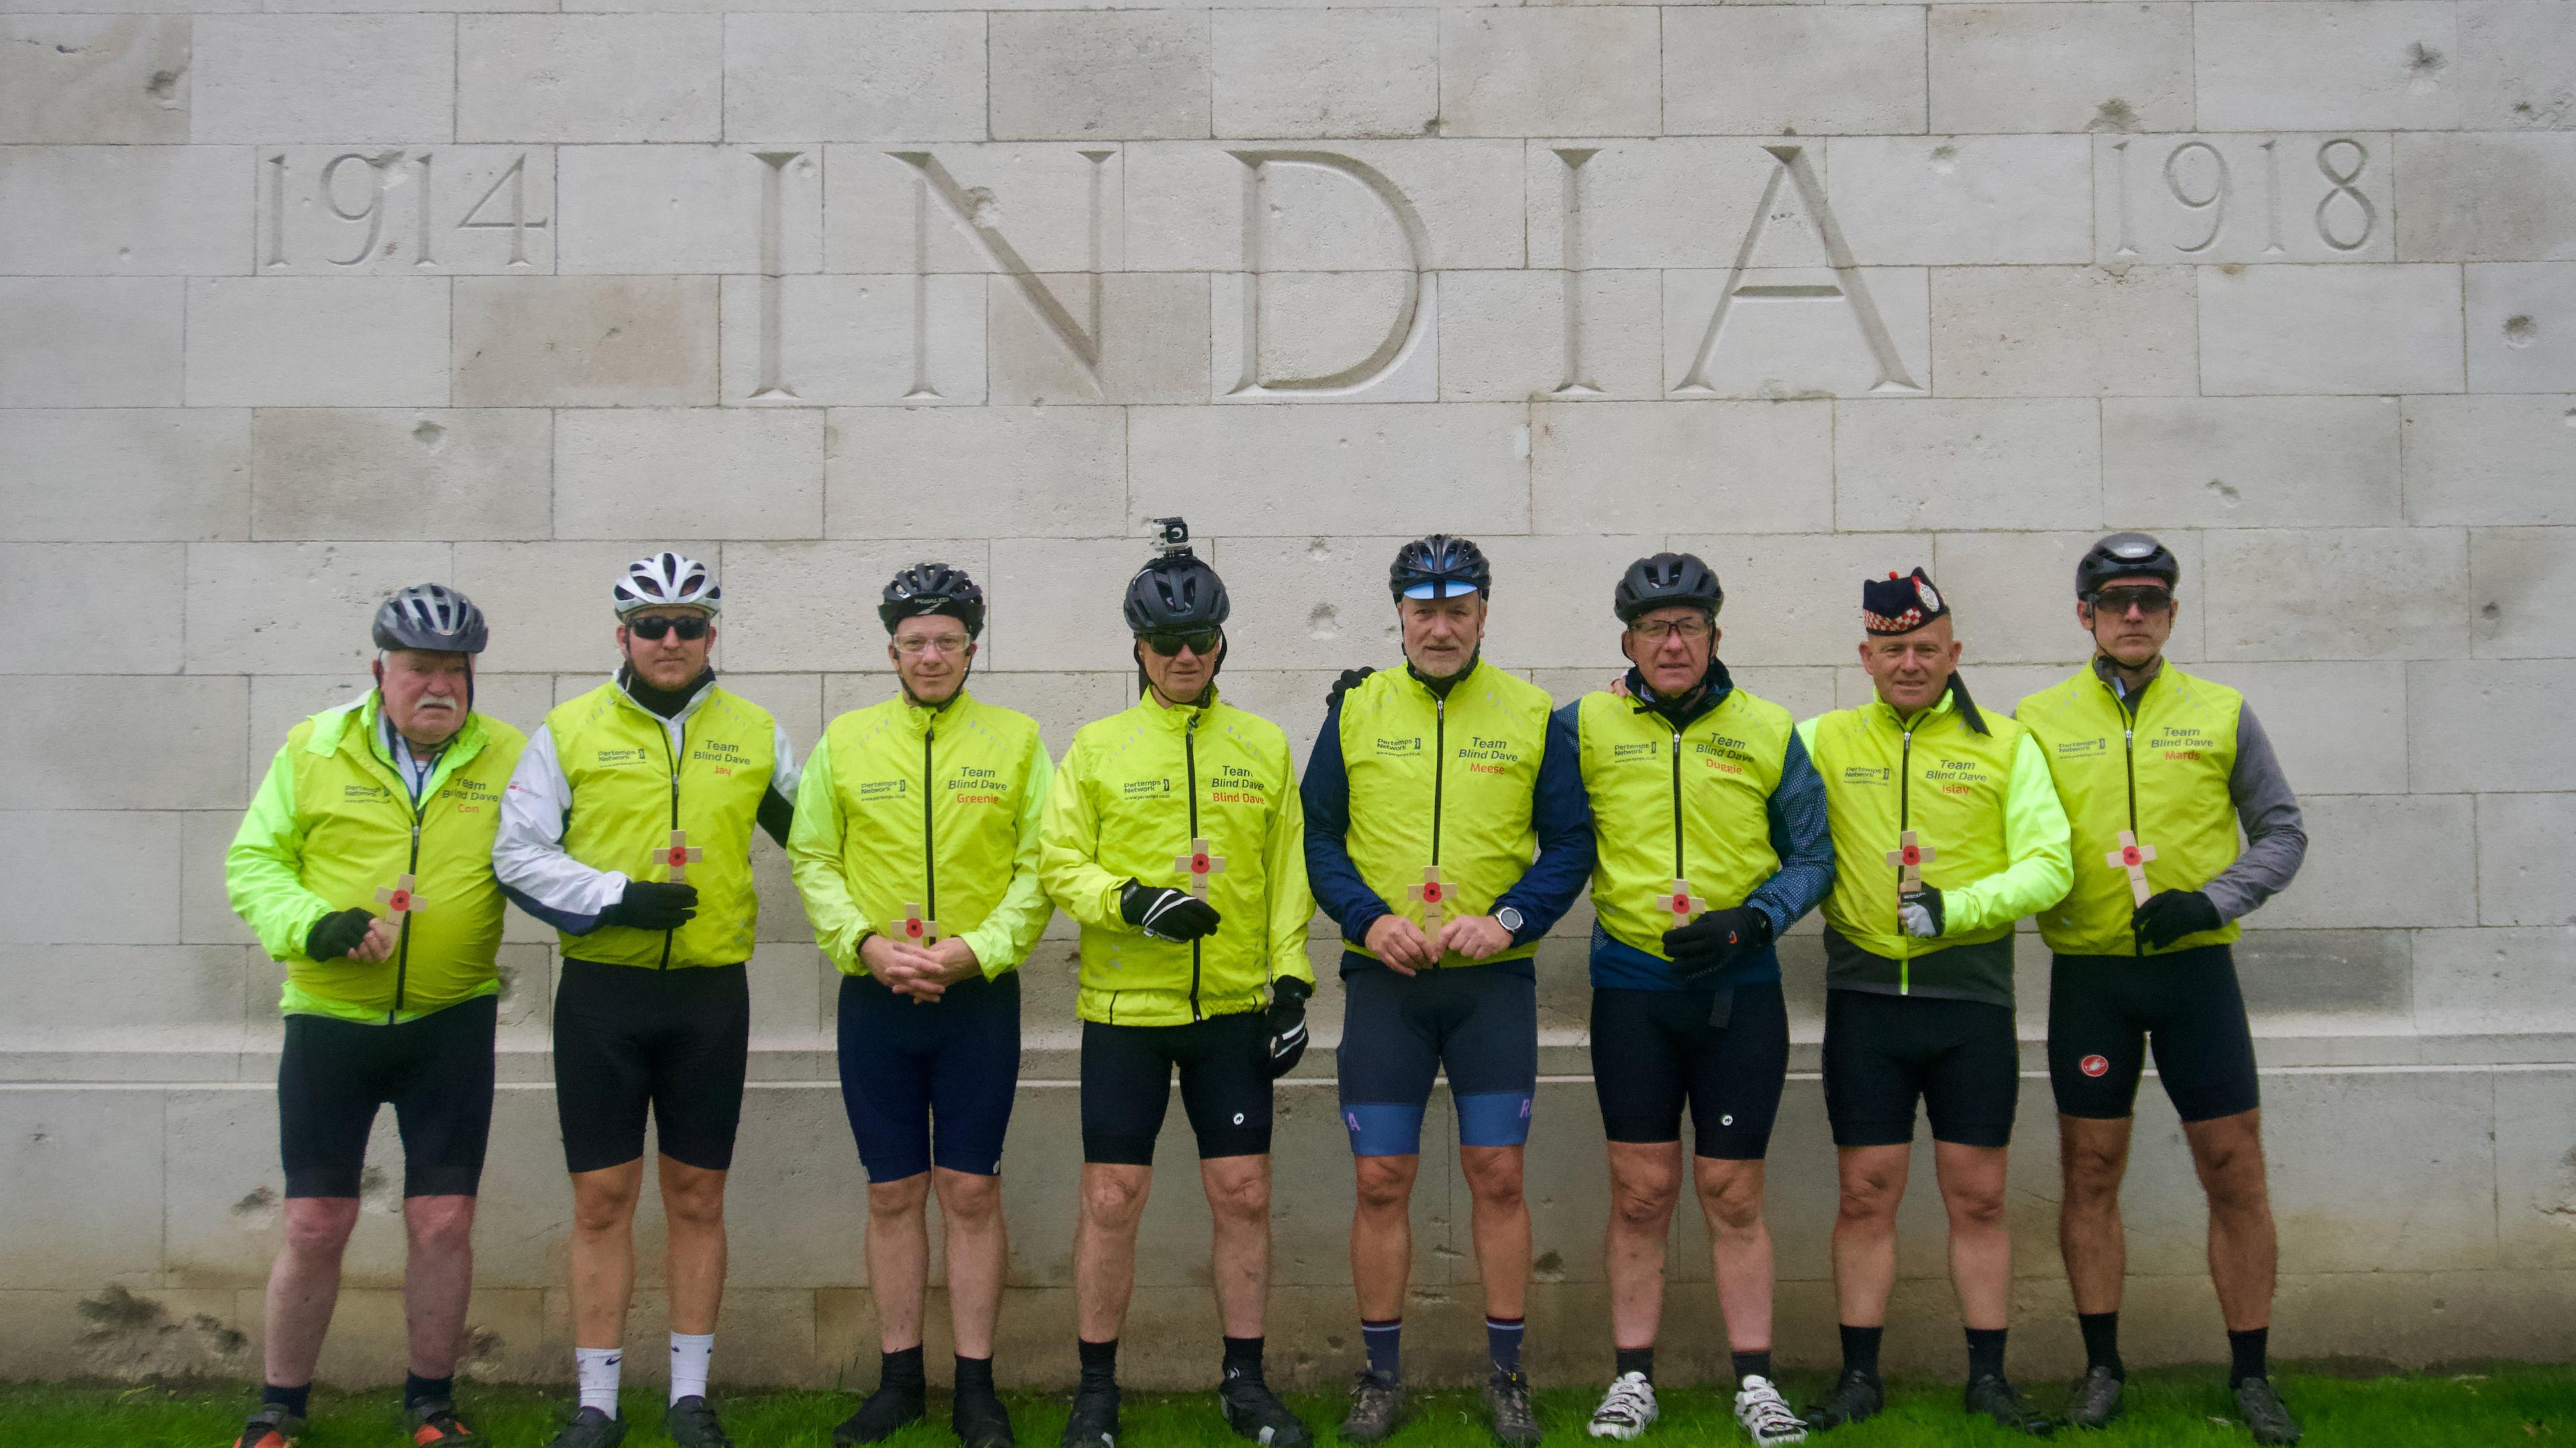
<point x="907" y="1067"/>
<point x="1478" y="1023"/>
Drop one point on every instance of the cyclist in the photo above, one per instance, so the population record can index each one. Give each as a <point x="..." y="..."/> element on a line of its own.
<point x="1946" y="831"/>
<point x="1708" y="827"/>
<point x="1173" y="837"/>
<point x="916" y="848"/>
<point x="1445" y="832"/>
<point x="2159" y="769"/>
<point x="628" y="827"/>
<point x="365" y="866"/>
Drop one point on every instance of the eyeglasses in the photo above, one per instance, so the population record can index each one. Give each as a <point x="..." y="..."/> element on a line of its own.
<point x="653" y="626"/>
<point x="1200" y="641"/>
<point x="1688" y="630"/>
<point x="914" y="646"/>
<point x="2147" y="600"/>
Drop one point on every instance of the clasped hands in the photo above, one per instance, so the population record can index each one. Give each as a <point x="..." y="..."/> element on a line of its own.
<point x="1401" y="945"/>
<point x="924" y="972"/>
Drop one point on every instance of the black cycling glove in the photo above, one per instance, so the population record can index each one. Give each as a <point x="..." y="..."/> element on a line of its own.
<point x="336" y="934"/>
<point x="1165" y="913"/>
<point x="2169" y="915"/>
<point x="1287" y="1023"/>
<point x="647" y="905"/>
<point x="1715" y="938"/>
<point x="1349" y="680"/>
<point x="1919" y="913"/>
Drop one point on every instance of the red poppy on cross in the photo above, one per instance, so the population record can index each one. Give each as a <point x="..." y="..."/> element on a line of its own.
<point x="1434" y="896"/>
<point x="397" y="898"/>
<point x="1198" y="864"/>
<point x="1681" y="902"/>
<point x="1909" y="857"/>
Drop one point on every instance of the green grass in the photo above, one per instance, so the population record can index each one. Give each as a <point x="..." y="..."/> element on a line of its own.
<point x="2176" y="1408"/>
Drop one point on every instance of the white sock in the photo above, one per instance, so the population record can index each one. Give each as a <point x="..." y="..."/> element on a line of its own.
<point x="595" y="1368"/>
<point x="689" y="1355"/>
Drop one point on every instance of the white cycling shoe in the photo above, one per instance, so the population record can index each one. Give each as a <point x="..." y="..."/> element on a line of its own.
<point x="1627" y="1410"/>
<point x="1766" y="1415"/>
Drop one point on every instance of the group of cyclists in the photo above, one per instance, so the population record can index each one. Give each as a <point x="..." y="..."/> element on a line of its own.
<point x="1448" y="816"/>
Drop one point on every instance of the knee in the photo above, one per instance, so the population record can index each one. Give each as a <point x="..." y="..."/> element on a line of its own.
<point x="320" y="1225"/>
<point x="2233" y="1177"/>
<point x="600" y="1208"/>
<point x="1975" y="1208"/>
<point x="698" y="1205"/>
<point x="439" y="1224"/>
<point x="1245" y="1199"/>
<point x="1736" y="1206"/>
<point x="899" y="1199"/>
<point x="970" y="1199"/>
<point x="1867" y="1201"/>
<point x="2092" y="1175"/>
<point x="1643" y="1206"/>
<point x="1495" y="1184"/>
<point x="1382" y="1187"/>
<point x="1112" y="1199"/>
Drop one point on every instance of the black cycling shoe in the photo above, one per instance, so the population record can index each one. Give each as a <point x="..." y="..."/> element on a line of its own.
<point x="2097" y="1399"/>
<point x="1094" y="1423"/>
<point x="1857" y="1397"/>
<point x="2264" y="1412"/>
<point x="590" y="1428"/>
<point x="691" y="1423"/>
<point x="979" y="1420"/>
<point x="1992" y="1397"/>
<point x="888" y="1410"/>
<point x="1255" y="1412"/>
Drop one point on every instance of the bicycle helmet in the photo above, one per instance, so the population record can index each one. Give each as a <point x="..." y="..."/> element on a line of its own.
<point x="1664" y="580"/>
<point x="927" y="588"/>
<point x="2125" y="555"/>
<point x="430" y="616"/>
<point x="1178" y="590"/>
<point x="666" y="580"/>
<point x="1439" y="566"/>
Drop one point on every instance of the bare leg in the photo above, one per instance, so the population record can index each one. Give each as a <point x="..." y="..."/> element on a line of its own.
<point x="970" y="1215"/>
<point x="693" y="1201"/>
<point x="899" y="1258"/>
<point x="1238" y="1193"/>
<point x="1873" y="1183"/>
<point x="2093" y="1158"/>
<point x="1730" y="1196"/>
<point x="1972" y="1191"/>
<point x="2244" y="1251"/>
<point x="1382" y="1234"/>
<point x="1645" y="1181"/>
<point x="1502" y="1226"/>
<point x="438" y="1277"/>
<point x="603" y="1252"/>
<point x="1104" y="1246"/>
<point x="304" y="1285"/>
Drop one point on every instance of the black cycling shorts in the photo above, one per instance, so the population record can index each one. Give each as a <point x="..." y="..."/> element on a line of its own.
<point x="1476" y="1023"/>
<point x="2104" y="1009"/>
<point x="1224" y="1063"/>
<point x="907" y="1065"/>
<point x="1883" y="1051"/>
<point x="437" y="1072"/>
<point x="631" y="1039"/>
<point x="1652" y="1050"/>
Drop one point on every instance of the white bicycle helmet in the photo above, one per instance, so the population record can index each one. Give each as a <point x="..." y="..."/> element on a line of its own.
<point x="667" y="580"/>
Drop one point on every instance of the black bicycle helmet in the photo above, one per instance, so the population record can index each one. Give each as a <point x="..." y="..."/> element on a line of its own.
<point x="1174" y="592"/>
<point x="431" y="616"/>
<point x="1439" y="566"/>
<point x="927" y="588"/>
<point x="1664" y="580"/>
<point x="2125" y="555"/>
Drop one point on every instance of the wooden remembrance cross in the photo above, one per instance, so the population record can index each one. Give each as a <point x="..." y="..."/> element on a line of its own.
<point x="1908" y="858"/>
<point x="679" y="855"/>
<point x="398" y="899"/>
<point x="1200" y="863"/>
<point x="1681" y="902"/>
<point x="2132" y="857"/>
<point x="914" y="929"/>
<point x="1434" y="896"/>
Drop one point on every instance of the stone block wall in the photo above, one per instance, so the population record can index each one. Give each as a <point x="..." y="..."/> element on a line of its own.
<point x="304" y="302"/>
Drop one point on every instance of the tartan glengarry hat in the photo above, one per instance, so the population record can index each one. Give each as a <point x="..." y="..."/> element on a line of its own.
<point x="1896" y="605"/>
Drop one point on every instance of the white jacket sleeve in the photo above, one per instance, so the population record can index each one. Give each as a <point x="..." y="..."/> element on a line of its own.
<point x="528" y="854"/>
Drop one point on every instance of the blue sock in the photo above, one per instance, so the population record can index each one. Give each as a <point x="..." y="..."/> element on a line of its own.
<point x="1385" y="1342"/>
<point x="295" y="1399"/>
<point x="1503" y="1342"/>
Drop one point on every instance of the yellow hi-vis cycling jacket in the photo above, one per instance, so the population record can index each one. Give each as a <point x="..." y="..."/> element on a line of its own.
<point x="1982" y="807"/>
<point x="333" y="823"/>
<point x="906" y="808"/>
<point x="1134" y="792"/>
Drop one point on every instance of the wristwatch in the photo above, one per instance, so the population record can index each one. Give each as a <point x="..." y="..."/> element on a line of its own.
<point x="1510" y="919"/>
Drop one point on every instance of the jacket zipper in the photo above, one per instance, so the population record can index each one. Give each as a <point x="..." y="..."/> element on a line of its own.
<point x="1190" y="763"/>
<point x="1439" y="757"/>
<point x="1677" y="802"/>
<point x="1904" y="819"/>
<point x="669" y="753"/>
<point x="929" y="852"/>
<point x="402" y="944"/>
<point x="2129" y="763"/>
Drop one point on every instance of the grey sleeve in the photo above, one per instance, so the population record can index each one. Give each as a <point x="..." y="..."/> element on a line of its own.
<point x="2276" y="839"/>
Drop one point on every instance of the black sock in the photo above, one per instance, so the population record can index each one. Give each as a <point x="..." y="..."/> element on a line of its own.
<point x="1099" y="1363"/>
<point x="974" y="1375"/>
<point x="295" y="1399"/>
<point x="1243" y="1358"/>
<point x="417" y="1389"/>
<point x="1985" y="1352"/>
<point x="1758" y="1364"/>
<point x="1634" y="1360"/>
<point x="1860" y="1348"/>
<point x="2247" y="1348"/>
<point x="901" y="1369"/>
<point x="2102" y="1341"/>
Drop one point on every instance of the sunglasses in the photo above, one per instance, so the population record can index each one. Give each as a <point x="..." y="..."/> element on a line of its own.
<point x="654" y="626"/>
<point x="1200" y="641"/>
<point x="2118" y="601"/>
